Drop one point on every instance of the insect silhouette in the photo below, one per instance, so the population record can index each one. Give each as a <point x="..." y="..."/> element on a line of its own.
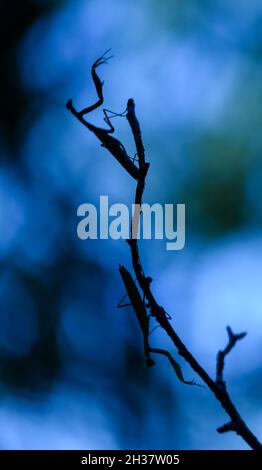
<point x="113" y="145"/>
<point x="116" y="148"/>
<point x="143" y="319"/>
<point x="139" y="309"/>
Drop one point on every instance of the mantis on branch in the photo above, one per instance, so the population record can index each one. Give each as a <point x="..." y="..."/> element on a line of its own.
<point x="139" y="308"/>
<point x="218" y="386"/>
<point x="113" y="145"/>
<point x="143" y="319"/>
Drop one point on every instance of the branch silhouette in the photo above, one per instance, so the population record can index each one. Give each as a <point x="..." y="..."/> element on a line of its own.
<point x="115" y="147"/>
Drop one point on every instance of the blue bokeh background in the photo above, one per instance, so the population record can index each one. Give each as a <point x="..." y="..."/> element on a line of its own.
<point x="72" y="373"/>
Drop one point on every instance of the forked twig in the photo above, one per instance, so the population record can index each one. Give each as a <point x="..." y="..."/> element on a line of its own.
<point x="232" y="340"/>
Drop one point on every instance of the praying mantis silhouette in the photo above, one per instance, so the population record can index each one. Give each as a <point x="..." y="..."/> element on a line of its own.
<point x="140" y="310"/>
<point x="116" y="148"/>
<point x="143" y="310"/>
<point x="113" y="145"/>
<point x="139" y="307"/>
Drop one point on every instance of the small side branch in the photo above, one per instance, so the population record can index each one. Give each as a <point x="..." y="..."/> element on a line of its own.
<point x="232" y="340"/>
<point x="231" y="426"/>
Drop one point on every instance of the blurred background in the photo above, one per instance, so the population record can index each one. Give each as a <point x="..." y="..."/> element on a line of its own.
<point x="72" y="372"/>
